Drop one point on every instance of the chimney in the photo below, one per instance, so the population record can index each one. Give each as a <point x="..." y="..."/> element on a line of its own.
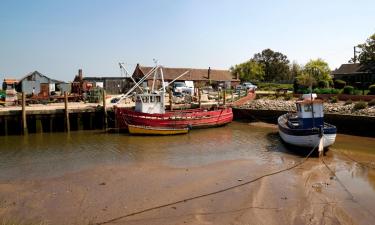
<point x="80" y="74"/>
<point x="237" y="76"/>
<point x="209" y="73"/>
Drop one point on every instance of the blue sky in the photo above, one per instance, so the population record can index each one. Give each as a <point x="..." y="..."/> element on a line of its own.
<point x="59" y="37"/>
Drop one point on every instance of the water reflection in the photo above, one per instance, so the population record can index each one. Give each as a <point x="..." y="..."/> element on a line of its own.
<point x="43" y="155"/>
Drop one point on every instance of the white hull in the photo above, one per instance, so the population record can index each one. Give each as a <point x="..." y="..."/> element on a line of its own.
<point x="308" y="140"/>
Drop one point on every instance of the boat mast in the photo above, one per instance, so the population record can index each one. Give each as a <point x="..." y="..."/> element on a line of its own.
<point x="312" y="103"/>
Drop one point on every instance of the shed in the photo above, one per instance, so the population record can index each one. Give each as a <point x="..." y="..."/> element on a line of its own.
<point x="112" y="85"/>
<point x="39" y="84"/>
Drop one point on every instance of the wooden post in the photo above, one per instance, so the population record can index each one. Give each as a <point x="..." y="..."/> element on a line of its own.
<point x="200" y="98"/>
<point x="5" y="125"/>
<point x="24" y="118"/>
<point x="67" y="122"/>
<point x="105" y="111"/>
<point x="80" y="125"/>
<point x="92" y="115"/>
<point x="38" y="124"/>
<point x="51" y="118"/>
<point x="218" y="97"/>
<point x="170" y="100"/>
<point x="224" y="96"/>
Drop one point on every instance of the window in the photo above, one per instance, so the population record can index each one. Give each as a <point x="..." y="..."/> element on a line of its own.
<point x="298" y="108"/>
<point x="307" y="108"/>
<point x="158" y="99"/>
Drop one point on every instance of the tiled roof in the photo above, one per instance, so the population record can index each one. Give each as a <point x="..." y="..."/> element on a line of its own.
<point x="349" y="69"/>
<point x="10" y="81"/>
<point x="193" y="74"/>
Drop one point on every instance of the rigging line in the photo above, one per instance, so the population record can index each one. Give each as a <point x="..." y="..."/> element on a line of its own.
<point x="211" y="193"/>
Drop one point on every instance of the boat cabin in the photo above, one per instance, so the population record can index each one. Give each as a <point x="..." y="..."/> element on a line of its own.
<point x="310" y="112"/>
<point x="150" y="103"/>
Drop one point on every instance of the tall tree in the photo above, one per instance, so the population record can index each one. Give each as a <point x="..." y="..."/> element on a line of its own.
<point x="295" y="70"/>
<point x="275" y="65"/>
<point x="367" y="54"/>
<point x="248" y="71"/>
<point x="315" y="71"/>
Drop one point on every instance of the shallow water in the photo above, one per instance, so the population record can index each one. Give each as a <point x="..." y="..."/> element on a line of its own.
<point x="47" y="155"/>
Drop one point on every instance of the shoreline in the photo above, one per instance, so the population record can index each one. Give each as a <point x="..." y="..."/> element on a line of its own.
<point x="343" y="116"/>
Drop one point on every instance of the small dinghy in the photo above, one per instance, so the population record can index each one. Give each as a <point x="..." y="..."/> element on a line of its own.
<point x="306" y="127"/>
<point x="148" y="130"/>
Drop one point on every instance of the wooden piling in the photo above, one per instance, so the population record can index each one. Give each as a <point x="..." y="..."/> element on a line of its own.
<point x="224" y="97"/>
<point x="51" y="118"/>
<point x="199" y="98"/>
<point x="218" y="97"/>
<point x="105" y="111"/>
<point x="67" y="122"/>
<point x="170" y="100"/>
<point x="91" y="123"/>
<point x="38" y="124"/>
<point x="5" y="119"/>
<point x="24" y="118"/>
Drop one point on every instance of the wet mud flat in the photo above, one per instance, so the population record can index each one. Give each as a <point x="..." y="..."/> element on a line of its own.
<point x="95" y="178"/>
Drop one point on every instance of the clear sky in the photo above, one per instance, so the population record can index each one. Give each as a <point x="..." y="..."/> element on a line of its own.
<point x="59" y="37"/>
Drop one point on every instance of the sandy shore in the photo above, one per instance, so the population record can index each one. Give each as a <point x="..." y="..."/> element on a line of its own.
<point x="308" y="194"/>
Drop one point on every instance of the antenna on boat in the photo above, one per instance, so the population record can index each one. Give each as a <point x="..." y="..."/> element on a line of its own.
<point x="127" y="74"/>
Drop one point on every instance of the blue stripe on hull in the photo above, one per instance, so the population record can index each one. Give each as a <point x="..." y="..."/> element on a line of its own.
<point x="327" y="129"/>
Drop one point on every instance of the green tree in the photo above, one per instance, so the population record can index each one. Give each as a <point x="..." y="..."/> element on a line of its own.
<point x="295" y="70"/>
<point x="306" y="80"/>
<point x="248" y="71"/>
<point x="367" y="55"/>
<point x="319" y="70"/>
<point x="275" y="65"/>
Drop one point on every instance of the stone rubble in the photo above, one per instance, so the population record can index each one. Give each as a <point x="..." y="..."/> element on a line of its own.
<point x="289" y="105"/>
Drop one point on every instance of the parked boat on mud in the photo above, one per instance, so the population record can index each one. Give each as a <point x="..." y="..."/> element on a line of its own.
<point x="306" y="127"/>
<point x="149" y="110"/>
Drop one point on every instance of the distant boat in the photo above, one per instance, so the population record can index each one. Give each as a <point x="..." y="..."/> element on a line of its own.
<point x="150" y="110"/>
<point x="147" y="130"/>
<point x="306" y="127"/>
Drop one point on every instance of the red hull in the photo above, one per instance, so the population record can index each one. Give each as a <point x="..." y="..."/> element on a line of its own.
<point x="195" y="118"/>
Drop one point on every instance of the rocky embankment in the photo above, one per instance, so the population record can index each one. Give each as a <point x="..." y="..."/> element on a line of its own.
<point x="289" y="105"/>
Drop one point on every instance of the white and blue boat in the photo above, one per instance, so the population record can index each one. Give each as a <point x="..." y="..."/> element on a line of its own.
<point x="306" y="127"/>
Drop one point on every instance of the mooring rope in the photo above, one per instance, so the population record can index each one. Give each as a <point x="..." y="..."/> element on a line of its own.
<point x="346" y="189"/>
<point x="356" y="161"/>
<point x="209" y="194"/>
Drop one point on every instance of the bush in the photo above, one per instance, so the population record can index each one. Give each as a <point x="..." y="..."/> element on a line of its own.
<point x="339" y="84"/>
<point x="326" y="91"/>
<point x="372" y="89"/>
<point x="333" y="99"/>
<point x="348" y="90"/>
<point x="323" y="84"/>
<point x="303" y="91"/>
<point x="371" y="103"/>
<point x="360" y="105"/>
<point x="348" y="102"/>
<point x="287" y="97"/>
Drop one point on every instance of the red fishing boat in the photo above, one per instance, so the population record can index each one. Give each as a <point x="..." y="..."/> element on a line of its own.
<point x="193" y="118"/>
<point x="150" y="111"/>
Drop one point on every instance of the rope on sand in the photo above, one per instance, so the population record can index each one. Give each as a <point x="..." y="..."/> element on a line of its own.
<point x="208" y="194"/>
